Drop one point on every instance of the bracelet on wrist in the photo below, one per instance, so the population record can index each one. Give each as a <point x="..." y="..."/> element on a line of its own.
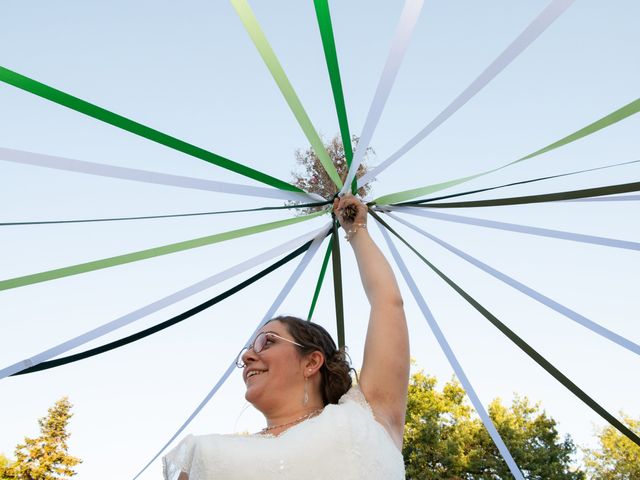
<point x="353" y="230"/>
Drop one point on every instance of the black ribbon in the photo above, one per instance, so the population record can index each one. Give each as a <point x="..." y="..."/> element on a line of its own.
<point x="522" y="182"/>
<point x="541" y="198"/>
<point x="337" y="282"/>
<point x="524" y="346"/>
<point x="149" y="217"/>
<point x="167" y="323"/>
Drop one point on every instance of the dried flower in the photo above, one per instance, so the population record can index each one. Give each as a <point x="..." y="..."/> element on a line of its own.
<point x="313" y="178"/>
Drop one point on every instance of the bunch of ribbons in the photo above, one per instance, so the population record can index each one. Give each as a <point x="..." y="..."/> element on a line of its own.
<point x="393" y="206"/>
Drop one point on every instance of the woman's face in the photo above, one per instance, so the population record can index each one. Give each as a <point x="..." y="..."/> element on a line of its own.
<point x="275" y="375"/>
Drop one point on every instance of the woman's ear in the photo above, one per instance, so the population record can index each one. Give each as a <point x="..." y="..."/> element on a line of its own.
<point x="313" y="362"/>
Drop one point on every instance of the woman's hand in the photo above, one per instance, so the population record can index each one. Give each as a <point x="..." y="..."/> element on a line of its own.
<point x="351" y="213"/>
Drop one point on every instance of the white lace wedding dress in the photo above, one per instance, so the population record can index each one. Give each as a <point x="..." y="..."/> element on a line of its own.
<point x="344" y="442"/>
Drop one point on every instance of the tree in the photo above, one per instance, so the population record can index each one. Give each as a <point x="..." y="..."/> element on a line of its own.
<point x="532" y="439"/>
<point x="45" y="457"/>
<point x="439" y="433"/>
<point x="444" y="438"/>
<point x="314" y="178"/>
<point x="618" y="458"/>
<point x="4" y="467"/>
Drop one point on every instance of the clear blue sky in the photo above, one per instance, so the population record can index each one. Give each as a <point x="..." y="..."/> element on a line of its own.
<point x="189" y="69"/>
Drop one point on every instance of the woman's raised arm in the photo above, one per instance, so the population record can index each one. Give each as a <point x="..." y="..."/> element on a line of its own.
<point x="384" y="377"/>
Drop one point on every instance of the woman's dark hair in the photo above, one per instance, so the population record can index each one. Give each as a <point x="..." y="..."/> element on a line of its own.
<point x="336" y="370"/>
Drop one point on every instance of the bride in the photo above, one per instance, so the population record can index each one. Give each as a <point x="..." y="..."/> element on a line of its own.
<point x="319" y="425"/>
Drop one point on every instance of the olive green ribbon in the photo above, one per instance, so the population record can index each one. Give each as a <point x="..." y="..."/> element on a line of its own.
<point x="512" y="184"/>
<point x="541" y="198"/>
<point x="337" y="283"/>
<point x="99" y="113"/>
<point x="329" y="45"/>
<point x="261" y="43"/>
<point x="620" y="114"/>
<point x="323" y="271"/>
<point x="520" y="343"/>
<point x="149" y="253"/>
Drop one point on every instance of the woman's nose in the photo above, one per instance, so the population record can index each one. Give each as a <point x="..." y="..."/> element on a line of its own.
<point x="249" y="356"/>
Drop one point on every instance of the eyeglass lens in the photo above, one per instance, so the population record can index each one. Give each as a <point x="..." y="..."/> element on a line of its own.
<point x="258" y="344"/>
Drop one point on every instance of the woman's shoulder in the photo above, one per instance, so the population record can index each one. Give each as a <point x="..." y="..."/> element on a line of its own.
<point x="179" y="459"/>
<point x="197" y="452"/>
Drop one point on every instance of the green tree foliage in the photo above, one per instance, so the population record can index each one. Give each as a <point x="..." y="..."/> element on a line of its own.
<point x="618" y="458"/>
<point x="532" y="439"/>
<point x="46" y="457"/>
<point x="444" y="438"/>
<point x="438" y="430"/>
<point x="4" y="466"/>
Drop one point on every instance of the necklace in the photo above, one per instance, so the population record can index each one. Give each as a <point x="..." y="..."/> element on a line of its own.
<point x="293" y="422"/>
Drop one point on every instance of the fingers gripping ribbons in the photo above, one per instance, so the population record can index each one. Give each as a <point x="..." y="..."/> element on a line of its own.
<point x="348" y="209"/>
<point x="349" y="213"/>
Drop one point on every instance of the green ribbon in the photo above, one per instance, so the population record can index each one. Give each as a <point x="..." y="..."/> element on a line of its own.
<point x="328" y="44"/>
<point x="323" y="270"/>
<point x="620" y="114"/>
<point x="337" y="284"/>
<point x="546" y="197"/>
<point x="524" y="346"/>
<point x="417" y="192"/>
<point x="521" y="182"/>
<point x="149" y="253"/>
<point x="99" y="113"/>
<point x="604" y="122"/>
<point x="268" y="55"/>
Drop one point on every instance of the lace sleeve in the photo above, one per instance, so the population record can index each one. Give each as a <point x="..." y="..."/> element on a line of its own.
<point x="179" y="459"/>
<point x="355" y="395"/>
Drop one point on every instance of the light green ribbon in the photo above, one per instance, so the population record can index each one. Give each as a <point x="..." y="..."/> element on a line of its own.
<point x="604" y="122"/>
<point x="149" y="253"/>
<point x="266" y="52"/>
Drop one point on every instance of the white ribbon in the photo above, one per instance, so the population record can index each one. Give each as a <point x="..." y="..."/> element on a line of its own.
<point x="533" y="31"/>
<point x="157" y="305"/>
<point x="453" y="361"/>
<point x="407" y="22"/>
<point x="268" y="316"/>
<point x="621" y="198"/>
<point x="513" y="227"/>
<point x="530" y="292"/>
<point x="112" y="171"/>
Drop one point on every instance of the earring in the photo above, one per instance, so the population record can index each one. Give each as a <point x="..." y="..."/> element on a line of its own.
<point x="305" y="399"/>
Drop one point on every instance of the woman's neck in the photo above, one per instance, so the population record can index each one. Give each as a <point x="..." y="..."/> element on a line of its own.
<point x="279" y="422"/>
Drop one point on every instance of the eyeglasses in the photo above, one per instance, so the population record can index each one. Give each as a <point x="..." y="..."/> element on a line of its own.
<point x="258" y="345"/>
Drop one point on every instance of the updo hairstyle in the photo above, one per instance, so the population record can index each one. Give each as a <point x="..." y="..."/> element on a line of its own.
<point x="336" y="369"/>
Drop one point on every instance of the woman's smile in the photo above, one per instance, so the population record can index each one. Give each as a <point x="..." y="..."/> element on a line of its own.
<point x="253" y="372"/>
